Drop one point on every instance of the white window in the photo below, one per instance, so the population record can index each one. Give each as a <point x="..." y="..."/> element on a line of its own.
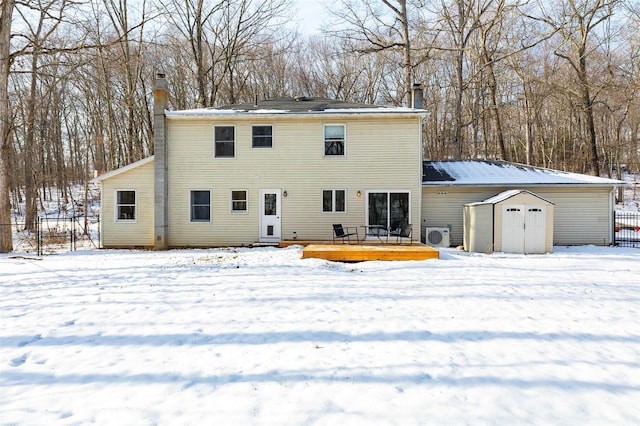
<point x="225" y="141"/>
<point x="200" y="206"/>
<point x="334" y="140"/>
<point x="261" y="136"/>
<point x="334" y="201"/>
<point x="125" y="206"/>
<point x="239" y="201"/>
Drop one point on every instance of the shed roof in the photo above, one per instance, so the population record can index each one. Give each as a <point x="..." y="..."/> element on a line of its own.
<point x="505" y="195"/>
<point x="501" y="173"/>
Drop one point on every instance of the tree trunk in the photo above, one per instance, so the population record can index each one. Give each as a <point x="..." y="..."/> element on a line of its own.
<point x="30" y="185"/>
<point x="6" y="12"/>
<point x="406" y="53"/>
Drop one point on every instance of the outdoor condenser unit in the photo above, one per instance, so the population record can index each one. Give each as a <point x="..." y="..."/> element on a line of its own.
<point x="438" y="237"/>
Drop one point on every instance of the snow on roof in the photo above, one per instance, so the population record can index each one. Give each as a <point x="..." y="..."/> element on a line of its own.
<point x="297" y="105"/>
<point x="499" y="173"/>
<point x="211" y="111"/>
<point x="508" y="194"/>
<point x="123" y="169"/>
<point x="215" y="112"/>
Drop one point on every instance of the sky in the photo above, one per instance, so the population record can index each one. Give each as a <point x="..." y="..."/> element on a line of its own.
<point x="310" y="13"/>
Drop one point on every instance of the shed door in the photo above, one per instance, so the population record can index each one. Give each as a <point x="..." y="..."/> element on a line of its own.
<point x="523" y="229"/>
<point x="535" y="229"/>
<point x="513" y="228"/>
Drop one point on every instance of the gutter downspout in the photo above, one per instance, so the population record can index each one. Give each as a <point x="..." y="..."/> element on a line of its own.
<point x="160" y="183"/>
<point x="612" y="224"/>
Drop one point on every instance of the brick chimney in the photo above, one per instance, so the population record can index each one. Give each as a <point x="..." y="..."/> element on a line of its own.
<point x="160" y="209"/>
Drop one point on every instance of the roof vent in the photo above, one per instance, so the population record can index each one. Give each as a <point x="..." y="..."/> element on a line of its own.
<point x="301" y="98"/>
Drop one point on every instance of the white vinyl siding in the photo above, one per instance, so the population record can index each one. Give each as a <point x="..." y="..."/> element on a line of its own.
<point x="138" y="233"/>
<point x="293" y="165"/>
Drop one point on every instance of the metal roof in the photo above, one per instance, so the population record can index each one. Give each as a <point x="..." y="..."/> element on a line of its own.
<point x="501" y="173"/>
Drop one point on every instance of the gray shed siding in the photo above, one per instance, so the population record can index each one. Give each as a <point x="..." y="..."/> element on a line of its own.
<point x="582" y="213"/>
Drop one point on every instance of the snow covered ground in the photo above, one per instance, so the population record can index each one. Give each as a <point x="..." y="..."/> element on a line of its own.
<point x="261" y="337"/>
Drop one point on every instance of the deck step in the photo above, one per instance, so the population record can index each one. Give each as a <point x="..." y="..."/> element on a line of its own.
<point x="360" y="253"/>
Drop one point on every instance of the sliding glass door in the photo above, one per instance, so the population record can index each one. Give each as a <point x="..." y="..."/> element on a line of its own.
<point x="389" y="210"/>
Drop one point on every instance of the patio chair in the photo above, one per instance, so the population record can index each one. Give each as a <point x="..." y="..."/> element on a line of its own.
<point x="344" y="232"/>
<point x="403" y="231"/>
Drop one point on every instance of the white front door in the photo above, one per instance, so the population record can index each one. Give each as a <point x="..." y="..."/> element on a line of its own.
<point x="270" y="216"/>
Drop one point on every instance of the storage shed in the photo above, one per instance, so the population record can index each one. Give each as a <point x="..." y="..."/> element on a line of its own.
<point x="514" y="221"/>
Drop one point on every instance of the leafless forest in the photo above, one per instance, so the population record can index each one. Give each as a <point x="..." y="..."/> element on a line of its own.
<point x="553" y="83"/>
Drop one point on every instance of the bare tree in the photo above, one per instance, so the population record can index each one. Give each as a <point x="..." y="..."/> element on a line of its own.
<point x="460" y="21"/>
<point x="6" y="12"/>
<point x="41" y="19"/>
<point x="131" y="48"/>
<point x="576" y="22"/>
<point x="491" y="21"/>
<point x="376" y="26"/>
<point x="223" y="34"/>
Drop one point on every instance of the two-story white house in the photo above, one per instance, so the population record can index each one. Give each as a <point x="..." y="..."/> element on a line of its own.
<point x="266" y="172"/>
<point x="290" y="168"/>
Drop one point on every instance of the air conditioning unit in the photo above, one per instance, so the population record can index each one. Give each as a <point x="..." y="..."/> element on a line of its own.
<point x="437" y="237"/>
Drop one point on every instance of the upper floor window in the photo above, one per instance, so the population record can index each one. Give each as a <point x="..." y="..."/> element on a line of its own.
<point x="125" y="205"/>
<point x="261" y="136"/>
<point x="225" y="141"/>
<point x="239" y="201"/>
<point x="334" y="139"/>
<point x="200" y="206"/>
<point x="333" y="201"/>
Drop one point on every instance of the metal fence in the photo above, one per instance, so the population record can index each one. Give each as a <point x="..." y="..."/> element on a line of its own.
<point x="627" y="229"/>
<point x="56" y="235"/>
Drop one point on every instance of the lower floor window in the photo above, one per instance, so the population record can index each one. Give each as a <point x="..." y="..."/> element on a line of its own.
<point x="388" y="209"/>
<point x="200" y="206"/>
<point x="126" y="205"/>
<point x="333" y="201"/>
<point x="238" y="201"/>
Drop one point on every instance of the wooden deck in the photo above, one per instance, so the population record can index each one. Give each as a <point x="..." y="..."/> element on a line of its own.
<point x="362" y="252"/>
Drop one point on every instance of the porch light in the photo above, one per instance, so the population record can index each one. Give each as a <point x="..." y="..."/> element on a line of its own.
<point x="358" y="194"/>
<point x="284" y="193"/>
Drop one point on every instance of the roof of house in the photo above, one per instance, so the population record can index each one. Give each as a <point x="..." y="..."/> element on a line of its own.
<point x="501" y="173"/>
<point x="295" y="105"/>
<point x="122" y="169"/>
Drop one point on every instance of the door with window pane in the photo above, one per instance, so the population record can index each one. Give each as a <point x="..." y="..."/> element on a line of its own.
<point x="389" y="210"/>
<point x="270" y="222"/>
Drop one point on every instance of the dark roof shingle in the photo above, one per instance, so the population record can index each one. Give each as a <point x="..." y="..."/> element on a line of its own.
<point x="297" y="104"/>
